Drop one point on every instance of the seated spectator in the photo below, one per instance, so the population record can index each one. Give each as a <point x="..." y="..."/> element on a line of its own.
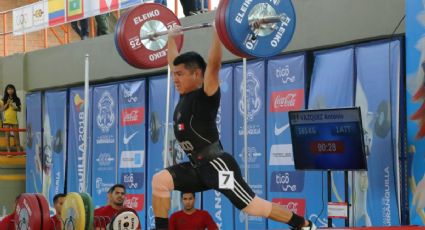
<point x="56" y="220"/>
<point x="8" y="222"/>
<point x="103" y="215"/>
<point x="191" y="218"/>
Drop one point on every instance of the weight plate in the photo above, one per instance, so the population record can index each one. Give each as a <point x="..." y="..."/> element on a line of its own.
<point x="222" y="31"/>
<point x="154" y="127"/>
<point x="383" y="120"/>
<point x="44" y="211"/>
<point x="28" y="215"/>
<point x="125" y="219"/>
<point x="271" y="38"/>
<point x="89" y="210"/>
<point x="141" y="21"/>
<point x="73" y="212"/>
<point x="58" y="142"/>
<point x="116" y="35"/>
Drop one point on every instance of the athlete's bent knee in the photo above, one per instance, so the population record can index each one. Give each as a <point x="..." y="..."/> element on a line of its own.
<point x="162" y="184"/>
<point x="259" y="207"/>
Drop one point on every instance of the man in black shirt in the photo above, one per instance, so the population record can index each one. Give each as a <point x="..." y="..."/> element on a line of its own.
<point x="196" y="131"/>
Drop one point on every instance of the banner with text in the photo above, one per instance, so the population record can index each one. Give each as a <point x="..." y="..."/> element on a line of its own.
<point x="105" y="131"/>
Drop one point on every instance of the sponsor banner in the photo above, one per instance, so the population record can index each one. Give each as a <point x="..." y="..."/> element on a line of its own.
<point x="75" y="9"/>
<point x="131" y="141"/>
<point x="136" y="202"/>
<point x="34" y="160"/>
<point x="377" y="186"/>
<point x="133" y="180"/>
<point x="285" y="92"/>
<point x="220" y="207"/>
<point x="335" y="66"/>
<point x="255" y="114"/>
<point x="295" y="205"/>
<point x="156" y="117"/>
<point x="284" y="101"/>
<point x="75" y="145"/>
<point x="105" y="122"/>
<point x="128" y="3"/>
<point x="56" y="12"/>
<point x="132" y="116"/>
<point x="415" y="59"/>
<point x="132" y="159"/>
<point x="287" y="181"/>
<point x="30" y="18"/>
<point x="54" y="143"/>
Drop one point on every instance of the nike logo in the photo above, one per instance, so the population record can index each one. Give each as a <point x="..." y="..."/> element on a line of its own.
<point x="128" y="139"/>
<point x="278" y="131"/>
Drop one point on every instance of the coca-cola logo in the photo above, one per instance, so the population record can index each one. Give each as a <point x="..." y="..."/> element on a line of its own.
<point x="283" y="101"/>
<point x="135" y="201"/>
<point x="132" y="116"/>
<point x="294" y="205"/>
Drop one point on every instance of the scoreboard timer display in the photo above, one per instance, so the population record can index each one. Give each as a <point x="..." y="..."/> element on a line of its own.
<point x="328" y="139"/>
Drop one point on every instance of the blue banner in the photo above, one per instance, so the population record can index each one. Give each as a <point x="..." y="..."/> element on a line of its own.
<point x="255" y="113"/>
<point x="214" y="202"/>
<point x="75" y="170"/>
<point x="105" y="130"/>
<point x="54" y="143"/>
<point x="415" y="100"/>
<point x="373" y="94"/>
<point x="332" y="86"/>
<point x="129" y="3"/>
<point x="34" y="164"/>
<point x="285" y="92"/>
<point x="156" y="132"/>
<point x="131" y="144"/>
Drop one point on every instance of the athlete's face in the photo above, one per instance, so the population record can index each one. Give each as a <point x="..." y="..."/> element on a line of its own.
<point x="117" y="196"/>
<point x="58" y="205"/>
<point x="186" y="80"/>
<point x="188" y="201"/>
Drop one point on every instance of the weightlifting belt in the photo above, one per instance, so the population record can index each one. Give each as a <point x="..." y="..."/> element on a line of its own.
<point x="203" y="156"/>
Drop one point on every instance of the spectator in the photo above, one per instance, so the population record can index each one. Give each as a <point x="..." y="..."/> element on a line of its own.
<point x="56" y="220"/>
<point x="8" y="222"/>
<point x="81" y="27"/>
<point x="11" y="105"/>
<point x="191" y="218"/>
<point x="192" y="7"/>
<point x="116" y="197"/>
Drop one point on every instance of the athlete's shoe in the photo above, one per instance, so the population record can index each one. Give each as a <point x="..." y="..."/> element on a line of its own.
<point x="311" y="226"/>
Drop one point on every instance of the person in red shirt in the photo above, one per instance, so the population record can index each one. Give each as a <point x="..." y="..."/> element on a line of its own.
<point x="103" y="215"/>
<point x="56" y="220"/>
<point x="191" y="218"/>
<point x="8" y="222"/>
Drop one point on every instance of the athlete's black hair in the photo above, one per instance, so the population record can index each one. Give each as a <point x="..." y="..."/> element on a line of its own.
<point x="191" y="61"/>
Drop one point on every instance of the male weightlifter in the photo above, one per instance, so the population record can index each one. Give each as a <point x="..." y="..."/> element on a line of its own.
<point x="195" y="129"/>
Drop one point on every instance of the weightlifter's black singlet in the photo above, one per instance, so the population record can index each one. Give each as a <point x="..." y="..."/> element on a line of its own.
<point x="195" y="120"/>
<point x="195" y="129"/>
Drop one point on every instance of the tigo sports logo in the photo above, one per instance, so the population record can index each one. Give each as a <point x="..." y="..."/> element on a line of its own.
<point x="287" y="181"/>
<point x="133" y="180"/>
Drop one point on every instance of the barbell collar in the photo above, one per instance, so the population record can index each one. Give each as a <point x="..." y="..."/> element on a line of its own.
<point x="257" y="22"/>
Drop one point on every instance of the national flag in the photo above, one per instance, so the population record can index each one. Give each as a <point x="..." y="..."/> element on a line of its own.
<point x="75" y="9"/>
<point x="56" y="12"/>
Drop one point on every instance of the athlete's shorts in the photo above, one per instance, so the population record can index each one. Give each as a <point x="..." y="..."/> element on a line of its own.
<point x="187" y="178"/>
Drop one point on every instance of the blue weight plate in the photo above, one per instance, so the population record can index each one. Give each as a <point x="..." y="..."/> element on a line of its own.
<point x="270" y="40"/>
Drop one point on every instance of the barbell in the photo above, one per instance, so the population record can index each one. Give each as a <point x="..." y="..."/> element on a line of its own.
<point x="248" y="28"/>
